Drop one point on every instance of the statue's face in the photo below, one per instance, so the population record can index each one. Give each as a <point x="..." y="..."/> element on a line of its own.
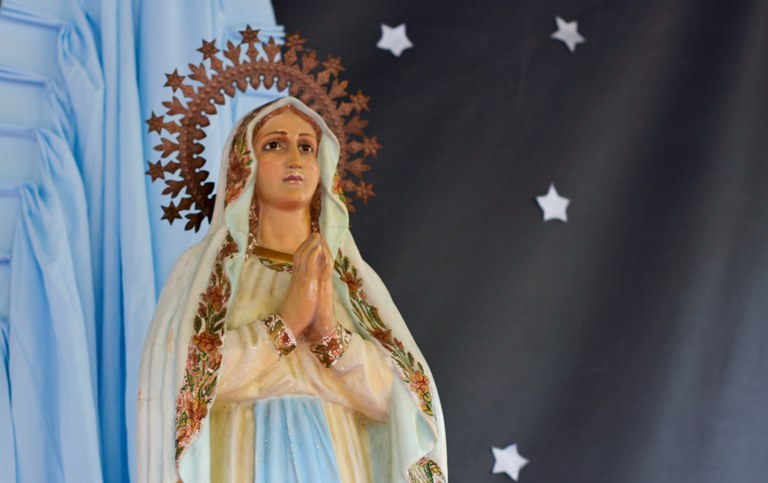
<point x="288" y="172"/>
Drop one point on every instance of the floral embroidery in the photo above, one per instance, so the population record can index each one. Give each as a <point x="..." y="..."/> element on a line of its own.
<point x="277" y="266"/>
<point x="411" y="370"/>
<point x="332" y="346"/>
<point x="281" y="337"/>
<point x="338" y="189"/>
<point x="253" y="227"/>
<point x="354" y="284"/>
<point x="240" y="161"/>
<point x="204" y="352"/>
<point x="337" y="184"/>
<point x="426" y="471"/>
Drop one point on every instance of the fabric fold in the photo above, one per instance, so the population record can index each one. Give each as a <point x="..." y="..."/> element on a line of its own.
<point x="295" y="442"/>
<point x="7" y="439"/>
<point x="48" y="350"/>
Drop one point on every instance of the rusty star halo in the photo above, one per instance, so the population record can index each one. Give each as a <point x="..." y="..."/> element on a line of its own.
<point x="317" y="84"/>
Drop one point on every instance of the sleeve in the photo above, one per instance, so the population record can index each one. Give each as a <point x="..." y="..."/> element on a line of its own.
<point x="362" y="371"/>
<point x="251" y="351"/>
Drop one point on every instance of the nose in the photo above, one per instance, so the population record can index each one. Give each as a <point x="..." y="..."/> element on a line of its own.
<point x="294" y="160"/>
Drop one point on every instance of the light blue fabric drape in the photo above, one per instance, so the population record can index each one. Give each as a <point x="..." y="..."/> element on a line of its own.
<point x="89" y="255"/>
<point x="7" y="438"/>
<point x="52" y="391"/>
<point x="293" y="437"/>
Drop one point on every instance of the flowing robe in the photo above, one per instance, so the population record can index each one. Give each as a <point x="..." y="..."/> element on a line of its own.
<point x="202" y="369"/>
<point x="290" y="418"/>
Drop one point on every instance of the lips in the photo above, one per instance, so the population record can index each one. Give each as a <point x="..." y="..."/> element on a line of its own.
<point x="294" y="178"/>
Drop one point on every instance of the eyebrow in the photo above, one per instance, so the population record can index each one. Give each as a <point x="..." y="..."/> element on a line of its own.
<point x="286" y="133"/>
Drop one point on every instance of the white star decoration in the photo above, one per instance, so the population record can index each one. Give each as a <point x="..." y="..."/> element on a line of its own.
<point x="394" y="39"/>
<point x="567" y="33"/>
<point x="508" y="461"/>
<point x="553" y="205"/>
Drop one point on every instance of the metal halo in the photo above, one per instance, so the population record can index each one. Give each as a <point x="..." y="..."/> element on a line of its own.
<point x="288" y="65"/>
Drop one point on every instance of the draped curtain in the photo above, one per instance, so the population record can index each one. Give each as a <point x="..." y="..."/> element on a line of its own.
<point x="83" y="252"/>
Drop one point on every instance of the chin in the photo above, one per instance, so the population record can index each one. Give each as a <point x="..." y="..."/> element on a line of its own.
<point x="293" y="202"/>
<point x="288" y="198"/>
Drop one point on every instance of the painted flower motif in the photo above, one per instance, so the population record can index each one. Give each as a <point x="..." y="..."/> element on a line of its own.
<point x="235" y="186"/>
<point x="399" y="345"/>
<point x="229" y="248"/>
<point x="285" y="339"/>
<point x="185" y="434"/>
<point x="207" y="342"/>
<point x="195" y="413"/>
<point x="282" y="339"/>
<point x="191" y="358"/>
<point x="238" y="170"/>
<point x="214" y="364"/>
<point x="215" y="296"/>
<point x="332" y="346"/>
<point x="353" y="283"/>
<point x="382" y="335"/>
<point x="420" y="382"/>
<point x="426" y="471"/>
<point x="337" y="185"/>
<point x="276" y="266"/>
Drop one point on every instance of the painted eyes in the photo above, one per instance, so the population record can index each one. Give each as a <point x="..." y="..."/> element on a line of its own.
<point x="272" y="146"/>
<point x="276" y="145"/>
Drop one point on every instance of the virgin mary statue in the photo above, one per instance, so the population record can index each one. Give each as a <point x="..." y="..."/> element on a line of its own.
<point x="276" y="353"/>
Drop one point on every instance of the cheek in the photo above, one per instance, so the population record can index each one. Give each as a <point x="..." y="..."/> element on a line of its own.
<point x="313" y="170"/>
<point x="266" y="173"/>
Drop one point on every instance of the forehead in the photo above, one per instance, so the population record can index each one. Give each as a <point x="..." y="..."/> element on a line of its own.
<point x="287" y="121"/>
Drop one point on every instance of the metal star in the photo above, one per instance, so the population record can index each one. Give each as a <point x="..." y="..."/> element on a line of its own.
<point x="359" y="101"/>
<point x="567" y="33"/>
<point x="171" y="213"/>
<point x="209" y="49"/>
<point x="394" y="39"/>
<point x="333" y="64"/>
<point x="357" y="167"/>
<point x="508" y="461"/>
<point x="553" y="205"/>
<point x="155" y="171"/>
<point x="249" y="35"/>
<point x="295" y="41"/>
<point x="155" y="123"/>
<point x="174" y="80"/>
<point x="371" y="146"/>
<point x="364" y="191"/>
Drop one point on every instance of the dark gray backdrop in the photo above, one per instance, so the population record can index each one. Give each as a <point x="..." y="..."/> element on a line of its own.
<point x="631" y="343"/>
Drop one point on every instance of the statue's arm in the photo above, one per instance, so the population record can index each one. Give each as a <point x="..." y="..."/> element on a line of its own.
<point x="360" y="367"/>
<point x="250" y="351"/>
